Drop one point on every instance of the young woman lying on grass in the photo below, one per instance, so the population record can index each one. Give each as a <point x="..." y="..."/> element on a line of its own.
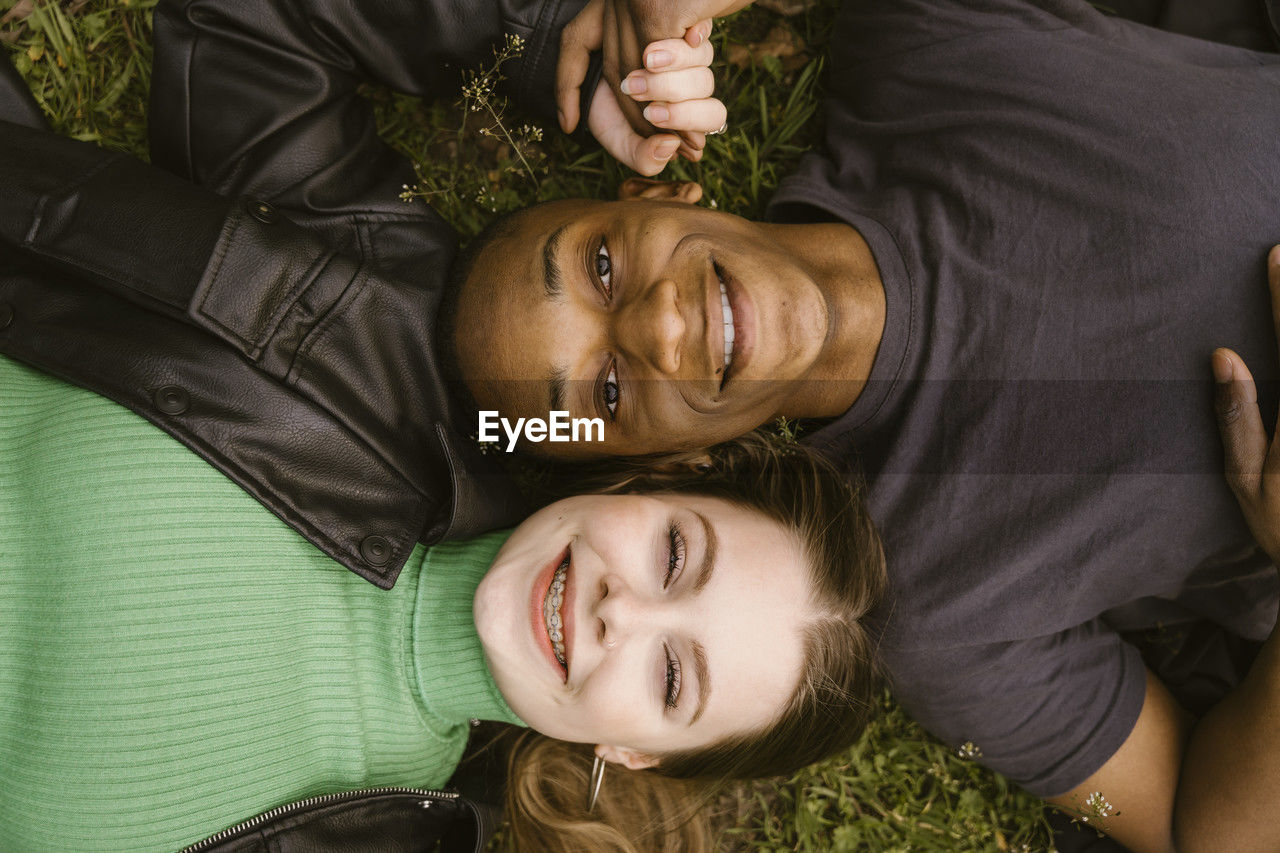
<point x="174" y="659"/>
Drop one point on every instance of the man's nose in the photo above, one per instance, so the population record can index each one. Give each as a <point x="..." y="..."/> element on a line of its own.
<point x="651" y="328"/>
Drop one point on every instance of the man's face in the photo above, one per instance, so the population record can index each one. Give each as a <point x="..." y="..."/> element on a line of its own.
<point x="617" y="310"/>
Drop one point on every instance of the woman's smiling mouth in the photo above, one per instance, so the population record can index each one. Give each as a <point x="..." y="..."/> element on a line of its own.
<point x="552" y="614"/>
<point x="551" y="610"/>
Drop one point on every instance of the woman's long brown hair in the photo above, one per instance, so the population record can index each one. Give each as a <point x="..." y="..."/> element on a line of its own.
<point x="664" y="808"/>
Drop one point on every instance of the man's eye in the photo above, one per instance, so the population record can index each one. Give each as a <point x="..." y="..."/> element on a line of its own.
<point x="673" y="679"/>
<point x="675" y="555"/>
<point x="611" y="392"/>
<point x="604" y="269"/>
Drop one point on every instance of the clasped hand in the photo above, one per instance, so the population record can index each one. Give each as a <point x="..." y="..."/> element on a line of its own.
<point x="1252" y="459"/>
<point x="655" y="96"/>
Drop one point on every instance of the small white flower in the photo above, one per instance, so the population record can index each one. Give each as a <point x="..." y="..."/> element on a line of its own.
<point x="1098" y="805"/>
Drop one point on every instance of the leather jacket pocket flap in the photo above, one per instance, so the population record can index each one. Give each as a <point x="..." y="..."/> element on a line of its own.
<point x="267" y="283"/>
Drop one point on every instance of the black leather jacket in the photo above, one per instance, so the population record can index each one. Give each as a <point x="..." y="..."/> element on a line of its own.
<point x="388" y="820"/>
<point x="279" y="321"/>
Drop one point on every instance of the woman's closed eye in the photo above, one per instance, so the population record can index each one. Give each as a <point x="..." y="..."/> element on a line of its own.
<point x="672" y="692"/>
<point x="673" y="565"/>
<point x="675" y="555"/>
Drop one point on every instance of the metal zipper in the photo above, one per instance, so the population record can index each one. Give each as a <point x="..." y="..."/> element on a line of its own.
<point x="324" y="799"/>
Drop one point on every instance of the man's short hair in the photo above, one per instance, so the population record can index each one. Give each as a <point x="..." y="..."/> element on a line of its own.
<point x="447" y="316"/>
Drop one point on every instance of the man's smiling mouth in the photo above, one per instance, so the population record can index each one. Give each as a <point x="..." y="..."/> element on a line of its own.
<point x="732" y="323"/>
<point x="728" y="329"/>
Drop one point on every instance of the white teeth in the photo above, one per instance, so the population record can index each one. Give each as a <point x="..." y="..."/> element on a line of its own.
<point x="728" y="326"/>
<point x="551" y="611"/>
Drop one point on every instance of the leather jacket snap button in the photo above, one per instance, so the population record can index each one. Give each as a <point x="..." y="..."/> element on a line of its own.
<point x="171" y="400"/>
<point x="376" y="550"/>
<point x="6" y="315"/>
<point x="260" y="211"/>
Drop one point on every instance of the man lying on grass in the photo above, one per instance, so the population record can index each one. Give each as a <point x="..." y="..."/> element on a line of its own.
<point x="1000" y="279"/>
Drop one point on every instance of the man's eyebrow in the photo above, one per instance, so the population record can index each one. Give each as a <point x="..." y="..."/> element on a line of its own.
<point x="551" y="281"/>
<point x="556" y="382"/>
<point x="704" y="679"/>
<point x="699" y="653"/>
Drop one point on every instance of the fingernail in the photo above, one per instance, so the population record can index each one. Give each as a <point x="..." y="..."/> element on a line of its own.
<point x="1222" y="371"/>
<point x="666" y="149"/>
<point x="1274" y="257"/>
<point x="656" y="113"/>
<point x="659" y="59"/>
<point x="634" y="86"/>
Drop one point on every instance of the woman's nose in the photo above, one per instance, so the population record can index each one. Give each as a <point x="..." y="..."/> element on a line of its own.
<point x="652" y="328"/>
<point x="620" y="613"/>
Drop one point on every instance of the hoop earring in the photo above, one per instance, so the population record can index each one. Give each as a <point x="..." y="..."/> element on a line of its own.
<point x="593" y="787"/>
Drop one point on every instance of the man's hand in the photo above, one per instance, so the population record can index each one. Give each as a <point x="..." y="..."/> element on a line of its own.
<point x="661" y="49"/>
<point x="1252" y="461"/>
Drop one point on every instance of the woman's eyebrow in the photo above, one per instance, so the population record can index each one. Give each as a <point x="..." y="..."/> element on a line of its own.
<point x="700" y="666"/>
<point x="552" y="283"/>
<point x="708" y="553"/>
<point x="704" y="679"/>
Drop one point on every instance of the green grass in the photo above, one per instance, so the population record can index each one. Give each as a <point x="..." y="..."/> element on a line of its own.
<point x="898" y="789"/>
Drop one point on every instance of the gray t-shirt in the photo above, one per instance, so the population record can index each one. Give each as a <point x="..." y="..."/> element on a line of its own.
<point x="1069" y="213"/>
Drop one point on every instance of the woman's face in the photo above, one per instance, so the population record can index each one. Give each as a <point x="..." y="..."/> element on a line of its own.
<point x="679" y="621"/>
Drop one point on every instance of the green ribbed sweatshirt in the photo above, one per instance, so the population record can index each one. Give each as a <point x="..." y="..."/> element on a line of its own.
<point x="175" y="659"/>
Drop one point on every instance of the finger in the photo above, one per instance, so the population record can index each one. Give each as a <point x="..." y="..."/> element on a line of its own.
<point x="703" y="115"/>
<point x="622" y="54"/>
<point x="692" y="145"/>
<point x="579" y="38"/>
<point x="685" y="84"/>
<point x="1273" y="280"/>
<point x="698" y="33"/>
<point x="674" y="54"/>
<point x="655" y="152"/>
<point x="1244" y="439"/>
<point x="648" y="156"/>
<point x="692" y="139"/>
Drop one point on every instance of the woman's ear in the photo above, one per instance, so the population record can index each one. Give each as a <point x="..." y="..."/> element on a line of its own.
<point x="636" y="189"/>
<point x="628" y="758"/>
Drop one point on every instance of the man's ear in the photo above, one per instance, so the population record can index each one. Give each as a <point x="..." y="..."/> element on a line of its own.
<point x="635" y="189"/>
<point x="628" y="758"/>
<point x="689" y="462"/>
